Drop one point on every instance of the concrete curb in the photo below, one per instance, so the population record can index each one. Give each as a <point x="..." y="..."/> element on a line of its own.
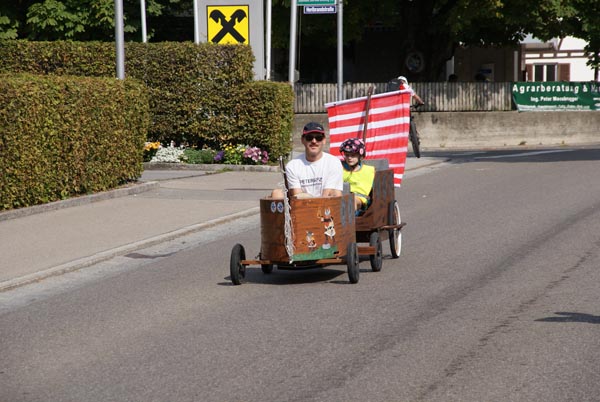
<point x="210" y="167"/>
<point x="122" y="250"/>
<point x="131" y="189"/>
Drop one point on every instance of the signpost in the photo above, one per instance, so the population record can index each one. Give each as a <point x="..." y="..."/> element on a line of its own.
<point x="338" y="5"/>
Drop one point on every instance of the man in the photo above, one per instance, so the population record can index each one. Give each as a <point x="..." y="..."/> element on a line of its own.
<point x="404" y="85"/>
<point x="314" y="173"/>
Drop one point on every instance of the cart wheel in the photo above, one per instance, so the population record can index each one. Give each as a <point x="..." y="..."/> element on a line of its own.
<point x="395" y="234"/>
<point x="266" y="268"/>
<point x="377" y="259"/>
<point x="236" y="269"/>
<point x="353" y="262"/>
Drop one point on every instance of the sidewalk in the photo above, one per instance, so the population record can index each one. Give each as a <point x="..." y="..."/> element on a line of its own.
<point x="64" y="236"/>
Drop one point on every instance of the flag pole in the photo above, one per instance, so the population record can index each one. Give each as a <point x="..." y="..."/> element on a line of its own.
<point x="367" y="107"/>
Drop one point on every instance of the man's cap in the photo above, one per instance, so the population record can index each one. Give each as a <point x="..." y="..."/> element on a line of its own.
<point x="313" y="127"/>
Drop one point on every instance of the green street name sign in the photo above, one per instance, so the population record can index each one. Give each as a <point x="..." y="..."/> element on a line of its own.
<point x="316" y="2"/>
<point x="555" y="96"/>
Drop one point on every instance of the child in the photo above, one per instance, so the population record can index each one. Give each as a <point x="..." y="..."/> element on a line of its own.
<point x="359" y="175"/>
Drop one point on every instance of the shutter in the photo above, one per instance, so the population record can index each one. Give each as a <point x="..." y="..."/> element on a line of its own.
<point x="564" y="72"/>
<point x="529" y="74"/>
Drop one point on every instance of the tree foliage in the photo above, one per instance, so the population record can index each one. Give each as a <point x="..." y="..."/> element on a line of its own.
<point x="81" y="20"/>
<point x="434" y="27"/>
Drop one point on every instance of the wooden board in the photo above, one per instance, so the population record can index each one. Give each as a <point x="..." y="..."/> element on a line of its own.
<point x="322" y="228"/>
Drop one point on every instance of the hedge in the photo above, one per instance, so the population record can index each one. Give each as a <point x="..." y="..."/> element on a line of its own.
<point x="200" y="94"/>
<point x="63" y="136"/>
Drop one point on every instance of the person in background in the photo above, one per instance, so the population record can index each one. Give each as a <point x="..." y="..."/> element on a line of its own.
<point x="453" y="78"/>
<point x="404" y="85"/>
<point x="358" y="175"/>
<point x="315" y="173"/>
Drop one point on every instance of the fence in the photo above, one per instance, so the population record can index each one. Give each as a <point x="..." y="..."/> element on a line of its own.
<point x="438" y="96"/>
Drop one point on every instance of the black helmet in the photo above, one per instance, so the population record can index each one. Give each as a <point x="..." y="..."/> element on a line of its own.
<point x="353" y="145"/>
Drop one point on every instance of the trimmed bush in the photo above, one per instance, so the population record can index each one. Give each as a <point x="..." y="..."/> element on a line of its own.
<point x="200" y="94"/>
<point x="63" y="136"/>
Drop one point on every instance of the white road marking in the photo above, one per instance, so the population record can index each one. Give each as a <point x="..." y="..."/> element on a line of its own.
<point x="524" y="154"/>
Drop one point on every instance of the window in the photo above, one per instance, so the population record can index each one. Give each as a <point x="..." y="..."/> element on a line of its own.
<point x="544" y="72"/>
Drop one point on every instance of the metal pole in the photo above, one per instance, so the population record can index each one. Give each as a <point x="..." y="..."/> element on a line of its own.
<point x="268" y="60"/>
<point x="340" y="49"/>
<point x="293" y="17"/>
<point x="143" y="13"/>
<point x="119" y="39"/>
<point x="196" y="23"/>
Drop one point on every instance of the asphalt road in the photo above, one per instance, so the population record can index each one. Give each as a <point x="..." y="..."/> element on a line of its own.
<point x="494" y="298"/>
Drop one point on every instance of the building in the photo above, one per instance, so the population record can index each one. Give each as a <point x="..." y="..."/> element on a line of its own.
<point x="556" y="60"/>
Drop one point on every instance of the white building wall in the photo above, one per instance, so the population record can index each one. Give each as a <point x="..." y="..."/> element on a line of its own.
<point x="579" y="70"/>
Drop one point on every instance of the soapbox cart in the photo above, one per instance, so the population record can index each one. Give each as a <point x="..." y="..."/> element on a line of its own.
<point x="322" y="231"/>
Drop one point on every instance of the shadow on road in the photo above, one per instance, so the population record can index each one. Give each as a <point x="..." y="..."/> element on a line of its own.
<point x="572" y="317"/>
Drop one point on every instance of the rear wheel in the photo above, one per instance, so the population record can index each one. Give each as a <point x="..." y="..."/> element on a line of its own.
<point x="414" y="139"/>
<point x="236" y="269"/>
<point x="352" y="260"/>
<point x="377" y="259"/>
<point x="395" y="234"/>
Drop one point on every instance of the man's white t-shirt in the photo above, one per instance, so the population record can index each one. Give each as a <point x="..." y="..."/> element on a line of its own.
<point x="313" y="177"/>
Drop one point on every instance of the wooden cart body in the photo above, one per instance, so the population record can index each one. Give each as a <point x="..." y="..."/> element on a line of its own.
<point x="377" y="216"/>
<point x="322" y="228"/>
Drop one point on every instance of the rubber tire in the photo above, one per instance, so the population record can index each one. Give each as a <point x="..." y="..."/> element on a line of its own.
<point x="414" y="139"/>
<point x="352" y="260"/>
<point x="236" y="269"/>
<point x="395" y="235"/>
<point x="266" y="268"/>
<point x="377" y="259"/>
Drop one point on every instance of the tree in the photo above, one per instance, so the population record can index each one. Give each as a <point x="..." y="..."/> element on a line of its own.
<point x="75" y="19"/>
<point x="424" y="33"/>
<point x="431" y="30"/>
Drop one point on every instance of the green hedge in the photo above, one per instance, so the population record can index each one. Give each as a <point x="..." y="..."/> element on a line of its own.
<point x="63" y="136"/>
<point x="201" y="94"/>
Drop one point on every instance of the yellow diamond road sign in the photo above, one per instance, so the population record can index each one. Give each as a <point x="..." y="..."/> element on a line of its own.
<point x="228" y="24"/>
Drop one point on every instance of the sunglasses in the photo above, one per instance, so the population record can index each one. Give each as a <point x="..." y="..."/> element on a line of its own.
<point x="310" y="137"/>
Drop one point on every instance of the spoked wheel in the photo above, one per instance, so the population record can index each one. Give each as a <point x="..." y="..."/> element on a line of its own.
<point x="236" y="268"/>
<point x="352" y="260"/>
<point x="395" y="234"/>
<point x="414" y="139"/>
<point x="377" y="259"/>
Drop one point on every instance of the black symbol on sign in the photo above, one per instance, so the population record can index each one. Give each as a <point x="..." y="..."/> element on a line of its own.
<point x="228" y="26"/>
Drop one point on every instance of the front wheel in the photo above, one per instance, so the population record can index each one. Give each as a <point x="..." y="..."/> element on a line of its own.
<point x="352" y="260"/>
<point x="266" y="268"/>
<point x="414" y="139"/>
<point x="236" y="269"/>
<point x="395" y="234"/>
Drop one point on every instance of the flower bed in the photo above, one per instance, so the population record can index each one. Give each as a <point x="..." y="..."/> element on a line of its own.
<point x="154" y="152"/>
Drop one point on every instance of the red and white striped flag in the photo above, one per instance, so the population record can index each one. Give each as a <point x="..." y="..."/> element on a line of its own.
<point x="387" y="131"/>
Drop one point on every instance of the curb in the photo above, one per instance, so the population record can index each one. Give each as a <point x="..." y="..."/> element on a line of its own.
<point x="213" y="167"/>
<point x="118" y="251"/>
<point x="131" y="189"/>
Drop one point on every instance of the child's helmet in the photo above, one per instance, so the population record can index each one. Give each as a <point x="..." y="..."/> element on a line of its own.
<point x="353" y="145"/>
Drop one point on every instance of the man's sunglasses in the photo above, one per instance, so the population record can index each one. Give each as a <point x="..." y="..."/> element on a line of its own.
<point x="310" y="137"/>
